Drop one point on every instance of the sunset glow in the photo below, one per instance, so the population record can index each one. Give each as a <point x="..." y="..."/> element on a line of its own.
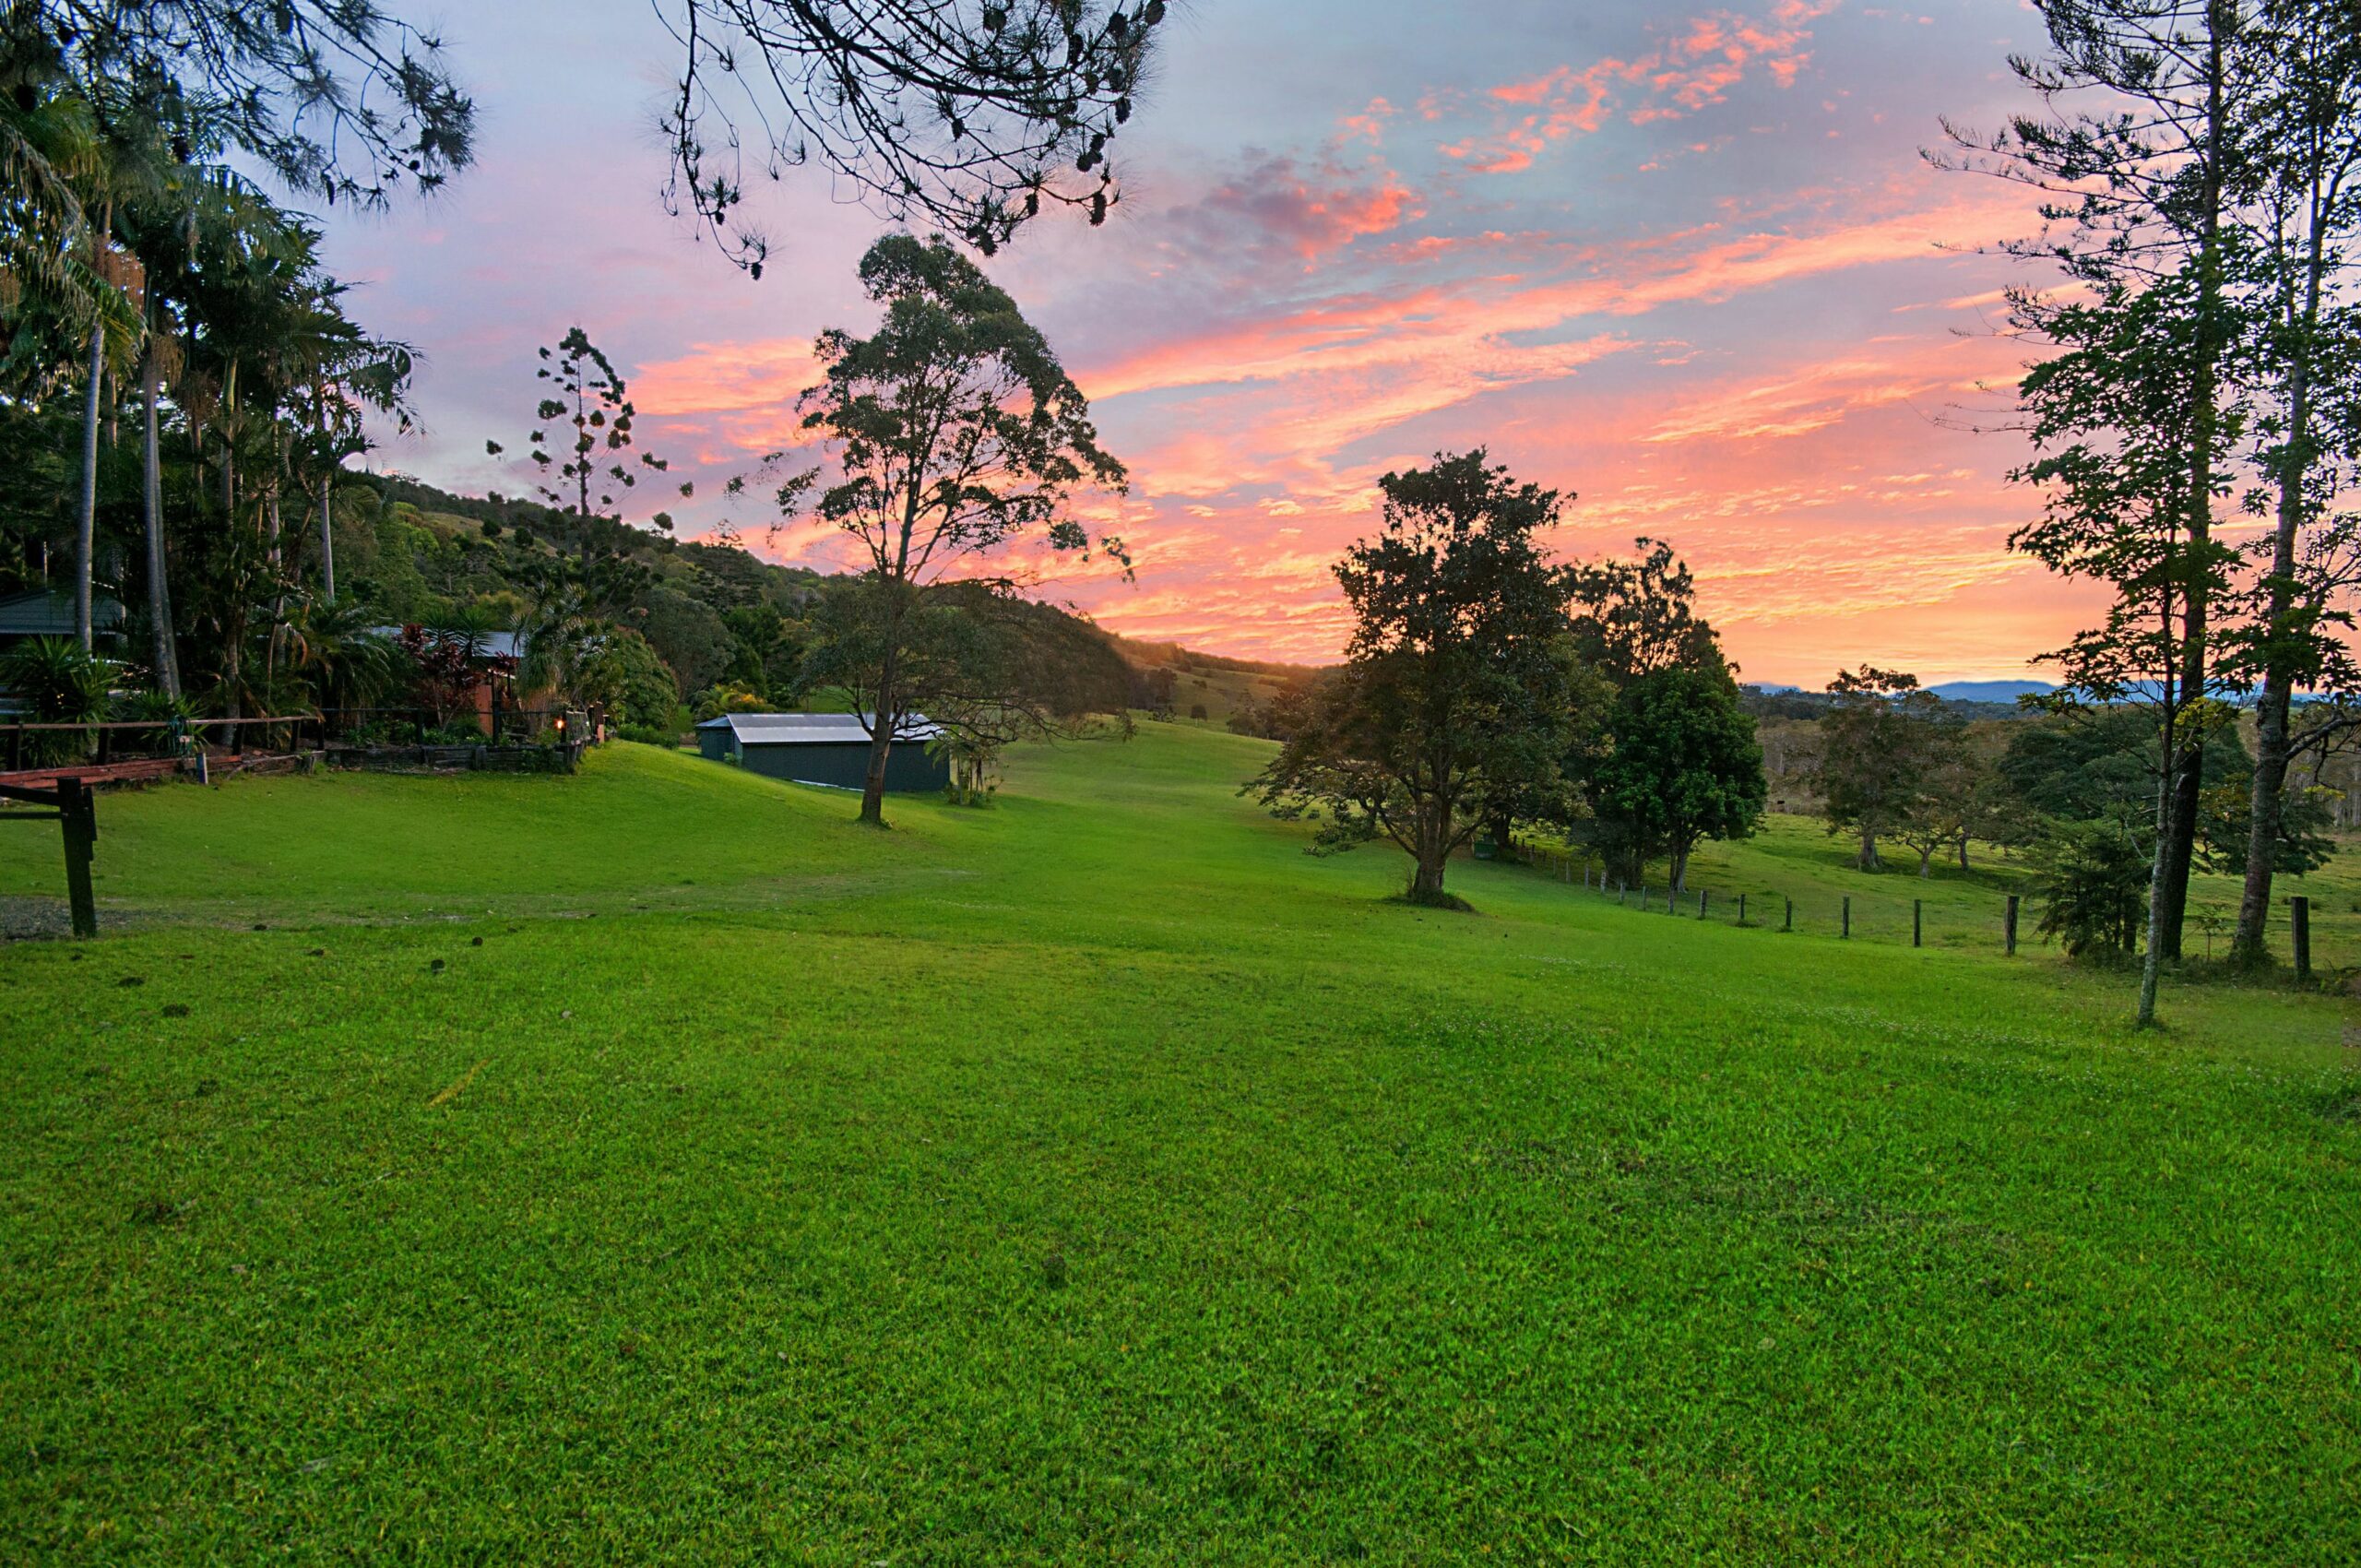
<point x="1691" y="269"/>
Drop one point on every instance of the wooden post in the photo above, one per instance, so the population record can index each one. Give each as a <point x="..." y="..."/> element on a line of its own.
<point x="1643" y="897"/>
<point x="1918" y="922"/>
<point x="80" y="821"/>
<point x="2300" y="921"/>
<point x="1790" y="924"/>
<point x="2009" y="925"/>
<point x="1848" y="932"/>
<point x="1700" y="903"/>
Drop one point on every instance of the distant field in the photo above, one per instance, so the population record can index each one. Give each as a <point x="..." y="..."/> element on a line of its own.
<point x="650" y="1165"/>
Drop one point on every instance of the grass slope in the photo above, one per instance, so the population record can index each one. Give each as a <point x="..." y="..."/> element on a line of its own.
<point x="1101" y="1178"/>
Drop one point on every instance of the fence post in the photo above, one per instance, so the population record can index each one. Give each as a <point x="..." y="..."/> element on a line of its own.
<point x="2300" y="921"/>
<point x="1917" y="921"/>
<point x="1848" y="932"/>
<point x="1741" y="909"/>
<point x="1700" y="903"/>
<point x="80" y="821"/>
<point x="2009" y="925"/>
<point x="1643" y="897"/>
<point x="1790" y="924"/>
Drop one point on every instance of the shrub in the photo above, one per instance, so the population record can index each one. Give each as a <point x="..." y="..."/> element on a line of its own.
<point x="2093" y="881"/>
<point x="159" y="709"/>
<point x="55" y="681"/>
<point x="1197" y="711"/>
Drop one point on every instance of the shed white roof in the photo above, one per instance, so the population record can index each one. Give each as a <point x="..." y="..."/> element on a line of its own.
<point x="816" y="729"/>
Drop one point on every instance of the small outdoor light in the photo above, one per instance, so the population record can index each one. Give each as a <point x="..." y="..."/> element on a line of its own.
<point x="561" y="723"/>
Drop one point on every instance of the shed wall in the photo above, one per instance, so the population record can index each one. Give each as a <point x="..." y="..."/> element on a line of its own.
<point x="908" y="770"/>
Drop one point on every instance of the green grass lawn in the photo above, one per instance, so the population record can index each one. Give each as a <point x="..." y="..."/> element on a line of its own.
<point x="649" y="1165"/>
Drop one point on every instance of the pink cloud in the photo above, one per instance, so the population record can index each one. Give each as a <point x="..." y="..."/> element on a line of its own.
<point x="1692" y="67"/>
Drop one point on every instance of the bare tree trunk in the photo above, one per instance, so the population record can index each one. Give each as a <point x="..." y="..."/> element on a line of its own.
<point x="86" y="525"/>
<point x="1868" y="859"/>
<point x="327" y="543"/>
<point x="160" y="597"/>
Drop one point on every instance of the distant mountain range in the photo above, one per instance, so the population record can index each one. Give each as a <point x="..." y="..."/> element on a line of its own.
<point x="1990" y="691"/>
<point x="1956" y="691"/>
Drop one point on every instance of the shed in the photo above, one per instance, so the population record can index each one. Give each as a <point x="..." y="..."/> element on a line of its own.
<point x="45" y="613"/>
<point x="824" y="748"/>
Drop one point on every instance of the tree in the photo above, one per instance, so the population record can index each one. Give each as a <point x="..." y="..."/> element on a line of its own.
<point x="1678" y="760"/>
<point x="1460" y="686"/>
<point x="954" y="430"/>
<point x="1876" y="744"/>
<point x="1938" y="811"/>
<point x="2143" y="159"/>
<point x="333" y="97"/>
<point x="972" y="117"/>
<point x="985" y="665"/>
<point x="2302" y="352"/>
<point x="583" y="446"/>
<point x="626" y="676"/>
<point x="1681" y="764"/>
<point x="2092" y="878"/>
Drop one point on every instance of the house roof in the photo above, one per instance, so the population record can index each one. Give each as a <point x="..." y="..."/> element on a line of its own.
<point x="44" y="613"/>
<point x="816" y="729"/>
<point x="488" y="644"/>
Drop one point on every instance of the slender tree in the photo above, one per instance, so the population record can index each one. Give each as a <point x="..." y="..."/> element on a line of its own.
<point x="2142" y="161"/>
<point x="2304" y="359"/>
<point x="954" y="430"/>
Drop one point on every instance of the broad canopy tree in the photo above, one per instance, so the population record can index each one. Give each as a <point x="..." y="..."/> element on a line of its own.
<point x="1460" y="688"/>
<point x="953" y="431"/>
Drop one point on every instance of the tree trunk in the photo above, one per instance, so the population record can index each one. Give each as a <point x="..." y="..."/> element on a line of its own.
<point x="2168" y="913"/>
<point x="2267" y="800"/>
<point x="1680" y="868"/>
<point x="2183" y="843"/>
<point x="1867" y="860"/>
<point x="160" y="596"/>
<point x="327" y="543"/>
<point x="1963" y="852"/>
<point x="1426" y="874"/>
<point x="86" y="525"/>
<point x="1926" y="858"/>
<point x="881" y="723"/>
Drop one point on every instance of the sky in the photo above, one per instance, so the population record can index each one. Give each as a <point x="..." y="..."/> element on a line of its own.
<point x="1684" y="262"/>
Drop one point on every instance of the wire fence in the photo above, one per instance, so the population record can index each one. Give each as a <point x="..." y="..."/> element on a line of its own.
<point x="2310" y="931"/>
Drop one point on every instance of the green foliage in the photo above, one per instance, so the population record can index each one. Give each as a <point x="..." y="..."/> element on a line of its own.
<point x="1681" y="763"/>
<point x="54" y="682"/>
<point x="720" y="702"/>
<point x="2092" y="878"/>
<point x="689" y="634"/>
<point x="2226" y="824"/>
<point x="1458" y="699"/>
<point x="626" y="674"/>
<point x="1883" y="747"/>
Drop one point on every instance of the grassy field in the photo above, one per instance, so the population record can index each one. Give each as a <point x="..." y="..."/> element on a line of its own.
<point x="651" y="1166"/>
<point x="1794" y="857"/>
